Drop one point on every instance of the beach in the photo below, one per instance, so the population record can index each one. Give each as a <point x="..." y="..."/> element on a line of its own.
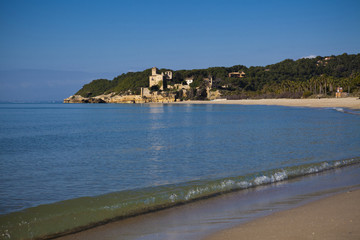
<point x="335" y="217"/>
<point x="350" y="102"/>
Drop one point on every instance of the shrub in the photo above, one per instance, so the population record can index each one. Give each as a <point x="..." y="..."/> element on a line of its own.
<point x="306" y="94"/>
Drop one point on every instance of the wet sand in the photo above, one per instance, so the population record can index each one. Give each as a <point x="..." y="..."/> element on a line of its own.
<point x="351" y="102"/>
<point x="335" y="217"/>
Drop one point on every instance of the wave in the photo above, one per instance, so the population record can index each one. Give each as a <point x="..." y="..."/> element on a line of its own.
<point x="61" y="218"/>
<point x="345" y="110"/>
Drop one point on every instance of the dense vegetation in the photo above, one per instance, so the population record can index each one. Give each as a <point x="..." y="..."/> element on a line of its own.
<point x="289" y="78"/>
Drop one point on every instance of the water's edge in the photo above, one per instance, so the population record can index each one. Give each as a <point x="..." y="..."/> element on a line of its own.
<point x="75" y="215"/>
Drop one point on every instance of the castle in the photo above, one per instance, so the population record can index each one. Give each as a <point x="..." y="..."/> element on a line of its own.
<point x="159" y="79"/>
<point x="151" y="94"/>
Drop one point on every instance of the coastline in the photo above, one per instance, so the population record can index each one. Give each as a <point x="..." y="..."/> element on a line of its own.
<point x="334" y="217"/>
<point x="209" y="217"/>
<point x="350" y="102"/>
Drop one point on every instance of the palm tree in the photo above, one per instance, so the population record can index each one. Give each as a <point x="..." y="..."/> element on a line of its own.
<point x="331" y="82"/>
<point x="304" y="86"/>
<point x="313" y="82"/>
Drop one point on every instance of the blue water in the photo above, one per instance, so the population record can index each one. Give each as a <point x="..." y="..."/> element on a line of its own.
<point x="53" y="152"/>
<point x="153" y="154"/>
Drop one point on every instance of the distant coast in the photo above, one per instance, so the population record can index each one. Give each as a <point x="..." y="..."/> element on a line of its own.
<point x="320" y="77"/>
<point x="350" y="102"/>
<point x="335" y="217"/>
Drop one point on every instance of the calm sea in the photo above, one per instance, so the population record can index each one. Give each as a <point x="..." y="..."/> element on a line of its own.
<point x="80" y="164"/>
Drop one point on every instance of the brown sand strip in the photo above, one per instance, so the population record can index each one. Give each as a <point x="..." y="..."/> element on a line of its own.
<point x="335" y="217"/>
<point x="350" y="102"/>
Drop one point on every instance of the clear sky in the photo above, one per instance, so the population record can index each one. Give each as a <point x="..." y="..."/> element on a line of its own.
<point x="86" y="39"/>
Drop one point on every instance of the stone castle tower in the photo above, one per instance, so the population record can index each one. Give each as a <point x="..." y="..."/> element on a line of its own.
<point x="159" y="79"/>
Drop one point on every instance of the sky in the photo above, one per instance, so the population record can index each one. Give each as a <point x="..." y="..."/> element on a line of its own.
<point x="50" y="48"/>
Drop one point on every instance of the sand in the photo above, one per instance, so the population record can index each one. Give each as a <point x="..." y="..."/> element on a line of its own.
<point x="335" y="217"/>
<point x="350" y="102"/>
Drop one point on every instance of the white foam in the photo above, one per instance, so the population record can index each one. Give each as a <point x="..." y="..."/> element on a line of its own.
<point x="262" y="180"/>
<point x="194" y="192"/>
<point x="244" y="184"/>
<point x="189" y="194"/>
<point x="173" y="197"/>
<point x="312" y="170"/>
<point x="325" y="165"/>
<point x="339" y="109"/>
<point x="227" y="183"/>
<point x="6" y="234"/>
<point x="279" y="176"/>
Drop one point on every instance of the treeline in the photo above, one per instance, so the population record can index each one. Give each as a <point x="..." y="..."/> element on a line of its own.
<point x="126" y="82"/>
<point x="289" y="78"/>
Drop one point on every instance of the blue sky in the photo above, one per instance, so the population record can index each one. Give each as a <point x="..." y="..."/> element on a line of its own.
<point x="85" y="39"/>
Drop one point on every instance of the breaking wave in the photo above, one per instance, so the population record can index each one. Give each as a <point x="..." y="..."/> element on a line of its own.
<point x="57" y="219"/>
<point x="345" y="110"/>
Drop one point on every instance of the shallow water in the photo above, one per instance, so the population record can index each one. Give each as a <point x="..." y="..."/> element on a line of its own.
<point x="199" y="219"/>
<point x="54" y="152"/>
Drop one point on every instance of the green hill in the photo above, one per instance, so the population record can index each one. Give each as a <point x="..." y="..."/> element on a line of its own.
<point x="289" y="78"/>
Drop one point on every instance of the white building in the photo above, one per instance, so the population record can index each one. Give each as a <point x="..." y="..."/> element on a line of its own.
<point x="189" y="80"/>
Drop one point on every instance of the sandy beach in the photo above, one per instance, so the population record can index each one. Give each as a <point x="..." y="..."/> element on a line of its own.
<point x="351" y="102"/>
<point x="335" y="217"/>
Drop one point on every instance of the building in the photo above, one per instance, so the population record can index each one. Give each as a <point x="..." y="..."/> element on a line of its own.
<point x="237" y="74"/>
<point x="156" y="79"/>
<point x="340" y="94"/>
<point x="159" y="79"/>
<point x="168" y="74"/>
<point x="189" y="80"/>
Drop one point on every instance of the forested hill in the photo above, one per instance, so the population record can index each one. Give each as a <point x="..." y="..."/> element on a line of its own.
<point x="289" y="78"/>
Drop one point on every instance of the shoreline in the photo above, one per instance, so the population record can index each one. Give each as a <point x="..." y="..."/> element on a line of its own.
<point x="350" y="102"/>
<point x="333" y="217"/>
<point x="206" y="218"/>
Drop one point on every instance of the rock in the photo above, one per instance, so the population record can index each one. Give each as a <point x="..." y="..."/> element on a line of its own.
<point x="95" y="100"/>
<point x="114" y="98"/>
<point x="75" y="99"/>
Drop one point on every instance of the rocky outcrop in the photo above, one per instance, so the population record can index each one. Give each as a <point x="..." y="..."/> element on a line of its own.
<point x="212" y="95"/>
<point x="76" y="99"/>
<point x="80" y="99"/>
<point x="114" y="98"/>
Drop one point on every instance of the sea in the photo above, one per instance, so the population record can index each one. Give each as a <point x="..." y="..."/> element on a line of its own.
<point x="65" y="168"/>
